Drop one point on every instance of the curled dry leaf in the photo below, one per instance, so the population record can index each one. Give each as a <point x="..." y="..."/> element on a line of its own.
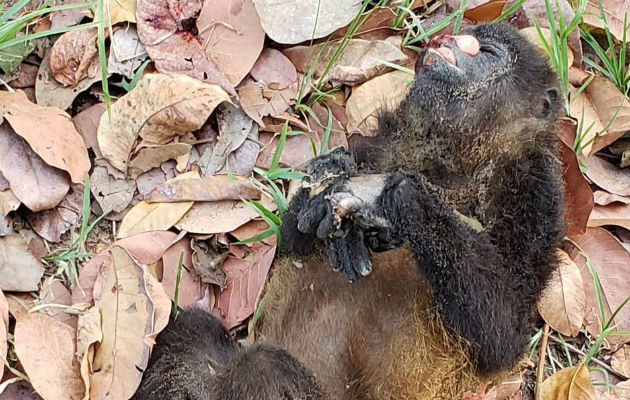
<point x="159" y="108"/>
<point x="126" y="52"/>
<point x="144" y="217"/>
<point x="611" y="214"/>
<point x="126" y="318"/>
<point x="600" y="103"/>
<point x="259" y="101"/>
<point x="611" y="261"/>
<point x="147" y="247"/>
<point x="306" y="21"/>
<point x="8" y="202"/>
<point x="607" y="175"/>
<point x="35" y="183"/>
<point x="152" y="157"/>
<point x="245" y="278"/>
<point x="212" y="188"/>
<point x="49" y="132"/>
<point x="111" y="194"/>
<point x="207" y="257"/>
<point x="569" y="384"/>
<point x="51" y="224"/>
<point x="46" y="348"/>
<point x="563" y="302"/>
<point x="219" y="216"/>
<point x="384" y="92"/>
<point x="360" y="61"/>
<point x="72" y="54"/>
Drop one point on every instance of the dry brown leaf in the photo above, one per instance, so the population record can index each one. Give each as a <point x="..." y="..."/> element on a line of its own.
<point x="569" y="384"/>
<point x="384" y="92"/>
<point x="121" y="10"/>
<point x="563" y="302"/>
<point x="304" y="20"/>
<point x="598" y="104"/>
<point x="82" y="294"/>
<point x="152" y="157"/>
<point x="191" y="289"/>
<point x="231" y="35"/>
<point x="53" y="292"/>
<point x="126" y="319"/>
<point x="89" y="333"/>
<point x="70" y="17"/>
<point x="161" y="304"/>
<point x="360" y="61"/>
<point x="8" y="202"/>
<point x="27" y="75"/>
<point x="86" y="122"/>
<point x="72" y="54"/>
<point x="126" y="52"/>
<point x="259" y="101"/>
<point x="144" y="217"/>
<point x="50" y="93"/>
<point x="147" y="247"/>
<point x="607" y="175"/>
<point x="610" y="214"/>
<point x="51" y="224"/>
<point x="219" y="216"/>
<point x="46" y="348"/>
<point x="111" y="194"/>
<point x="274" y="69"/>
<point x="177" y="50"/>
<point x="604" y="198"/>
<point x="611" y="261"/>
<point x="620" y="361"/>
<point x="159" y="108"/>
<point x="212" y="188"/>
<point x="4" y="330"/>
<point x="35" y="183"/>
<point x="614" y="11"/>
<point x="49" y="132"/>
<point x="245" y="278"/>
<point x="20" y="271"/>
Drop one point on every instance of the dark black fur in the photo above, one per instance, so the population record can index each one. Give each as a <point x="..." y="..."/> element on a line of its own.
<point x="478" y="141"/>
<point x="194" y="359"/>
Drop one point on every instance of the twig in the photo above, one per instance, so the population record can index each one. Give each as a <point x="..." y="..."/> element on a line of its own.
<point x="541" y="360"/>
<point x="593" y="359"/>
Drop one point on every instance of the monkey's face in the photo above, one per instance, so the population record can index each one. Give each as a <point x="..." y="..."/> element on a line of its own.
<point x="486" y="76"/>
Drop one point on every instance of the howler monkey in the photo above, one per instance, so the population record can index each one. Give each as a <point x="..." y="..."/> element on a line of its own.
<point x="469" y="194"/>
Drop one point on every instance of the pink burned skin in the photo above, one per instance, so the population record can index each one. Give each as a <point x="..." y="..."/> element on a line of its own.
<point x="441" y="47"/>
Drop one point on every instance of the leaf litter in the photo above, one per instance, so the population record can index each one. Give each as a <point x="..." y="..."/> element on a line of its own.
<point x="174" y="159"/>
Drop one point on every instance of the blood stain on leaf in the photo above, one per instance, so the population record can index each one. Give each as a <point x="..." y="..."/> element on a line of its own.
<point x="35" y="183"/>
<point x="49" y="132"/>
<point x="158" y="109"/>
<point x="569" y="384"/>
<point x="72" y="54"/>
<point x="46" y="348"/>
<point x="212" y="188"/>
<point x="245" y="278"/>
<point x="563" y="301"/>
<point x="306" y="21"/>
<point x="126" y="317"/>
<point x="611" y="261"/>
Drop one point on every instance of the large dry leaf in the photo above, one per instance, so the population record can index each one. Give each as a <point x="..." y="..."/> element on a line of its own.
<point x="219" y="216"/>
<point x="159" y="108"/>
<point x="563" y="301"/>
<point x="231" y="35"/>
<point x="384" y="92"/>
<point x="126" y="318"/>
<point x="304" y="19"/>
<point x="144" y="217"/>
<point x="89" y="334"/>
<point x="245" y="278"/>
<point x="607" y="175"/>
<point x="121" y="10"/>
<point x="164" y="27"/>
<point x="4" y="329"/>
<point x="82" y="293"/>
<point x="274" y="69"/>
<point x="111" y="194"/>
<point x="212" y="188"/>
<point x="152" y="157"/>
<point x="569" y="384"/>
<point x="598" y="104"/>
<point x="614" y="11"/>
<point x="126" y="52"/>
<point x="20" y="271"/>
<point x="45" y="348"/>
<point x="147" y="247"/>
<point x="259" y="101"/>
<point x="51" y="224"/>
<point x="360" y="61"/>
<point x="72" y="54"/>
<point x="35" y="183"/>
<point x="49" y="132"/>
<point x="610" y="214"/>
<point x="611" y="261"/>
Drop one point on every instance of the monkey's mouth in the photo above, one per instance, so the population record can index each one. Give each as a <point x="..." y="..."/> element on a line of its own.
<point x="443" y="47"/>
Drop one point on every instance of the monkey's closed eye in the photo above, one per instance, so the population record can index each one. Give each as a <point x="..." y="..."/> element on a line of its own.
<point x="491" y="49"/>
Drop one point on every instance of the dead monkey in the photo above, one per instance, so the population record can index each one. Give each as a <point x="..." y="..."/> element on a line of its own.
<point x="470" y="187"/>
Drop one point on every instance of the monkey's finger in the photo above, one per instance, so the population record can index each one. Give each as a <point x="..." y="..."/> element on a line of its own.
<point x="337" y="253"/>
<point x="328" y="225"/>
<point x="358" y="252"/>
<point x="310" y="217"/>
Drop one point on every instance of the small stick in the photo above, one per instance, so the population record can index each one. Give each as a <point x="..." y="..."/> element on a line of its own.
<point x="593" y="359"/>
<point x="541" y="360"/>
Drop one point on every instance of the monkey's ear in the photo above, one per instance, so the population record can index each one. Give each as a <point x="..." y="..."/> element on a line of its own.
<point x="549" y="100"/>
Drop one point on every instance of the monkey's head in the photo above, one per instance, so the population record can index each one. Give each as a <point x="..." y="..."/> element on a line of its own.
<point x="486" y="77"/>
